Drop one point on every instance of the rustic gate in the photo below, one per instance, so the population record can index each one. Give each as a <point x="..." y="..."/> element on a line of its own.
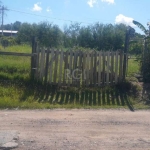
<point x="78" y="68"/>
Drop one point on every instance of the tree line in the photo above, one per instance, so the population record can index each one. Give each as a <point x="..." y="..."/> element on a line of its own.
<point x="97" y="36"/>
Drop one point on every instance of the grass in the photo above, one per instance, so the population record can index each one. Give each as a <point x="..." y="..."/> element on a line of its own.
<point x="15" y="67"/>
<point x="35" y="96"/>
<point x="31" y="96"/>
<point x="133" y="67"/>
<point x="18" y="91"/>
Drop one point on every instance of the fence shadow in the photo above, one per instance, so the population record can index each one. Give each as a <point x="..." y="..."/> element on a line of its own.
<point x="79" y="97"/>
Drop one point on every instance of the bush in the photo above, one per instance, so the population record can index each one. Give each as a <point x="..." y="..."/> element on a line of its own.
<point x="146" y="67"/>
<point x="7" y="41"/>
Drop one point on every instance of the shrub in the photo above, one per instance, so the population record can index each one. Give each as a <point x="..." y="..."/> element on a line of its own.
<point x="7" y="41"/>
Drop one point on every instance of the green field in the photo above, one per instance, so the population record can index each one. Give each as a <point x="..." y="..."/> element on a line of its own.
<point x="15" y="67"/>
<point x="17" y="91"/>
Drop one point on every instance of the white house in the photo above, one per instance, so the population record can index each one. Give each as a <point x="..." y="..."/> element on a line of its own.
<point x="8" y="33"/>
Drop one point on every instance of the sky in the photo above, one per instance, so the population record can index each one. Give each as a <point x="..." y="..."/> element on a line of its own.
<point x="86" y="12"/>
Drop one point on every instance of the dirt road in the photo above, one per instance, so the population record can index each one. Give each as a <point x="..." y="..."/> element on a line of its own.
<point x="77" y="129"/>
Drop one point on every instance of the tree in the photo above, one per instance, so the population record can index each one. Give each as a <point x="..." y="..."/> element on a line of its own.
<point x="145" y="68"/>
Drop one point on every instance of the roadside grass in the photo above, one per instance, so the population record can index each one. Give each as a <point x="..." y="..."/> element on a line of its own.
<point x="36" y="96"/>
<point x="18" y="91"/>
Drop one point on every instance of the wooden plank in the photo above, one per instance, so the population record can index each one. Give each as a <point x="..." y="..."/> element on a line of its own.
<point x="116" y="67"/>
<point x="99" y="69"/>
<point x="84" y="69"/>
<point x="60" y="67"/>
<point x="46" y="67"/>
<point x="80" y="68"/>
<point x="56" y="66"/>
<point x="37" y="63"/>
<point x="95" y="68"/>
<point x="127" y="61"/>
<point x="121" y="66"/>
<point x="66" y="64"/>
<point x="51" y="67"/>
<point x="103" y="72"/>
<point x="91" y="69"/>
<point x="88" y="58"/>
<point x="108" y="69"/>
<point x="16" y="54"/>
<point x="42" y="66"/>
<point x="74" y="68"/>
<point x="70" y="66"/>
<point x="65" y="67"/>
<point x="112" y="68"/>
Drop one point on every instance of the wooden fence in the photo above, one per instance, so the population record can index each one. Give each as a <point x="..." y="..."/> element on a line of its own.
<point x="78" y="68"/>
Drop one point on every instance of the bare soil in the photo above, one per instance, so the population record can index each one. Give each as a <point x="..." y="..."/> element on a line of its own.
<point x="78" y="129"/>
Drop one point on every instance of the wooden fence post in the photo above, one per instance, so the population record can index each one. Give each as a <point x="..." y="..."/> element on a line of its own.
<point x="46" y="68"/>
<point x="125" y="53"/>
<point x="33" y="59"/>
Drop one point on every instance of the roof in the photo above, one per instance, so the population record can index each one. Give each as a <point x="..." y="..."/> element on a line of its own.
<point x="9" y="31"/>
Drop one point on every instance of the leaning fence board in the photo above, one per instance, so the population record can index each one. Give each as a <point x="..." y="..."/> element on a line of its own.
<point x="42" y="67"/>
<point x="37" y="63"/>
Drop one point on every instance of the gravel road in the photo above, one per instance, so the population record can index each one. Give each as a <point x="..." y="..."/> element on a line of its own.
<point x="76" y="129"/>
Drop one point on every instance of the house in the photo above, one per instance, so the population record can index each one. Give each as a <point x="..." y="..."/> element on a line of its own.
<point x="8" y="33"/>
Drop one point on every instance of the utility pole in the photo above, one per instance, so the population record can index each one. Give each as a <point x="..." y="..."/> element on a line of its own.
<point x="2" y="18"/>
<point x="2" y="10"/>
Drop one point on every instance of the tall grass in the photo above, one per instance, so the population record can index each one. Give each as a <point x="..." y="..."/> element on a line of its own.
<point x="133" y="67"/>
<point x="15" y="67"/>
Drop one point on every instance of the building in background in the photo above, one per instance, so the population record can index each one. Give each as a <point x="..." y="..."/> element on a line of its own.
<point x="9" y="33"/>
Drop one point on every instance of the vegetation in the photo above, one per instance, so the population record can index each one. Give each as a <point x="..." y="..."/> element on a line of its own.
<point x="145" y="67"/>
<point x="97" y="36"/>
<point x="17" y="90"/>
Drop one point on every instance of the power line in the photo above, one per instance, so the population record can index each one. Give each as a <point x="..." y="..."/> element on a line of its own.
<point x="50" y="17"/>
<point x="46" y="16"/>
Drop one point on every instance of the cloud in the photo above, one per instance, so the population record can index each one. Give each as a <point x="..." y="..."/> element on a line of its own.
<point x="91" y="3"/>
<point x="125" y="20"/>
<point x="48" y="9"/>
<point x="108" y="1"/>
<point x="37" y="7"/>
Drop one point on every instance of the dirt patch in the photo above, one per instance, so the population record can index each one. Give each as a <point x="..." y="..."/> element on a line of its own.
<point x="78" y="129"/>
